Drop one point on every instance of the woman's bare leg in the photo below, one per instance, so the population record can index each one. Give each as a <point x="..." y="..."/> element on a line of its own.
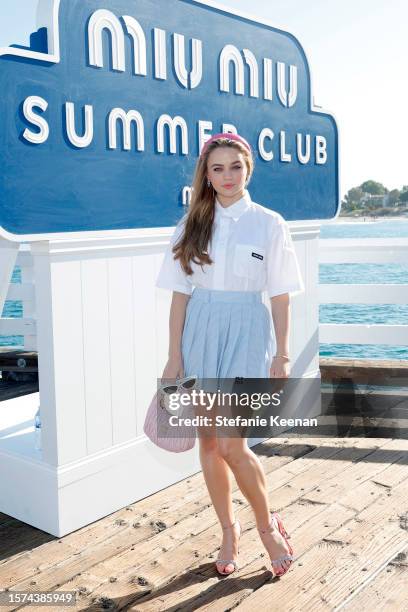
<point x="250" y="477"/>
<point x="218" y="478"/>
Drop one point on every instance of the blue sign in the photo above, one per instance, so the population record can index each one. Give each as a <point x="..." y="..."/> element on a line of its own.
<point x="104" y="116"/>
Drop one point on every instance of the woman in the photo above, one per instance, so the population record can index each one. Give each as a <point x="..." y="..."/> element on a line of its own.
<point x="231" y="250"/>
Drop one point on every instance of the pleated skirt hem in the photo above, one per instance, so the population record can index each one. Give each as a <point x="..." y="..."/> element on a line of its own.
<point x="227" y="334"/>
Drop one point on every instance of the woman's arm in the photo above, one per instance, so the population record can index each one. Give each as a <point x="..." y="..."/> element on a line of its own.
<point x="280" y="307"/>
<point x="174" y="367"/>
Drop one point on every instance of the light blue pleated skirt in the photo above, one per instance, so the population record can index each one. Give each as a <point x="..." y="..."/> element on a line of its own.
<point x="227" y="334"/>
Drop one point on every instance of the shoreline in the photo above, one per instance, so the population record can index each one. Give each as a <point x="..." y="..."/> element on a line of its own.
<point x="367" y="219"/>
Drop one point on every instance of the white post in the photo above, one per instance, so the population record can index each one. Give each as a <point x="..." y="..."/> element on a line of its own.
<point x="99" y="357"/>
<point x="8" y="257"/>
<point x="27" y="279"/>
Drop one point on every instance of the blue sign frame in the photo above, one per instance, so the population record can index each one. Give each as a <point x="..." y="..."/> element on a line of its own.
<point x="104" y="116"/>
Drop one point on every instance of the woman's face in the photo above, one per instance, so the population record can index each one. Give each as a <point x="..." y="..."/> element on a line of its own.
<point x="227" y="171"/>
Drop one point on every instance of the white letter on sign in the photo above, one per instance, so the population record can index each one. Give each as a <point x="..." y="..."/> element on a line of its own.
<point x="231" y="54"/>
<point x="173" y="124"/>
<point x="202" y="136"/>
<point x="139" y="44"/>
<point x="303" y="157"/>
<point x="287" y="99"/>
<point x="126" y="119"/>
<point x="179" y="54"/>
<point x="42" y="135"/>
<point x="320" y="150"/>
<point x="105" y="20"/>
<point x="284" y="156"/>
<point x="265" y="133"/>
<point x="79" y="141"/>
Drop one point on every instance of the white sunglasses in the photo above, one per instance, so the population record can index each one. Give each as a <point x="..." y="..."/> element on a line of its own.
<point x="184" y="384"/>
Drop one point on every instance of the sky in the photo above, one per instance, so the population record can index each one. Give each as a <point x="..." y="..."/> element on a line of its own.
<point x="358" y="56"/>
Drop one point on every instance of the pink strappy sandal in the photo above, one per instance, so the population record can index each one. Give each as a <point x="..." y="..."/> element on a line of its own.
<point x="229" y="561"/>
<point x="276" y="523"/>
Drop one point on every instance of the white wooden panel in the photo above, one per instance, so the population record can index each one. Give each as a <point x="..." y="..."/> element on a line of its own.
<point x="10" y="326"/>
<point x="28" y="309"/>
<point x="305" y="309"/>
<point x="8" y="258"/>
<point x="30" y="343"/>
<point x="363" y="294"/>
<point x="46" y="353"/>
<point x="27" y="276"/>
<point x="163" y="303"/>
<point x="66" y="340"/>
<point x="17" y="426"/>
<point x="11" y="347"/>
<point x="25" y="258"/>
<point x="363" y="250"/>
<point x="27" y="273"/>
<point x="334" y="333"/>
<point x="298" y="312"/>
<point x="21" y="291"/>
<point x="144" y="333"/>
<point x="24" y="291"/>
<point x="122" y="348"/>
<point x="96" y="334"/>
<point x="29" y="492"/>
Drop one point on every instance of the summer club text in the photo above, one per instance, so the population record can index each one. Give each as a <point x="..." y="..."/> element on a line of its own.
<point x="267" y="79"/>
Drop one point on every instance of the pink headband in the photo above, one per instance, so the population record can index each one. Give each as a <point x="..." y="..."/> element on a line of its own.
<point x="228" y="137"/>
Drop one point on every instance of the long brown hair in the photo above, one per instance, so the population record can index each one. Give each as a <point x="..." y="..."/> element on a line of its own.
<point x="199" y="221"/>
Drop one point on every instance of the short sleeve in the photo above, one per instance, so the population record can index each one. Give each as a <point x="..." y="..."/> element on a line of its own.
<point x="283" y="271"/>
<point x="171" y="274"/>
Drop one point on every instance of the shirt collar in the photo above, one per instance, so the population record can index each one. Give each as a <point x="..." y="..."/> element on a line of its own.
<point x="234" y="211"/>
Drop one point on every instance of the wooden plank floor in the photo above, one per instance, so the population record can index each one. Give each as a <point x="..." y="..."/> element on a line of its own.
<point x="345" y="502"/>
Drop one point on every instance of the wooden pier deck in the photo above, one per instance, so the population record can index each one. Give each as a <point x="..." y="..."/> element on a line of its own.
<point x="345" y="502"/>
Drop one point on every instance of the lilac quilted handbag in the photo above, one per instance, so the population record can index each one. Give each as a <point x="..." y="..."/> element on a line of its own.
<point x="158" y="429"/>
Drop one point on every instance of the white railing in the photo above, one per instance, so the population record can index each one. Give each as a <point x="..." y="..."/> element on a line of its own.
<point x="25" y="291"/>
<point x="363" y="250"/>
<point x="343" y="250"/>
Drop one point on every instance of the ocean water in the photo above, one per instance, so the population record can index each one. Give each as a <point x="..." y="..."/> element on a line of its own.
<point x="391" y="314"/>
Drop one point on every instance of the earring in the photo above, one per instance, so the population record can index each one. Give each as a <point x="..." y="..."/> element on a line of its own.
<point x="208" y="183"/>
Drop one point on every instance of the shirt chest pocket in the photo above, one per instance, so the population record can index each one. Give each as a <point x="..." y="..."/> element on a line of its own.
<point x="249" y="261"/>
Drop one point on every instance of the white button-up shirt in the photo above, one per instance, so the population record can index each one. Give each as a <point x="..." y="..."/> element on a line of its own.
<point x="252" y="250"/>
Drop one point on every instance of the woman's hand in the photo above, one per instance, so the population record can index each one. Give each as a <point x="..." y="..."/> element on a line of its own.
<point x="280" y="368"/>
<point x="174" y="368"/>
